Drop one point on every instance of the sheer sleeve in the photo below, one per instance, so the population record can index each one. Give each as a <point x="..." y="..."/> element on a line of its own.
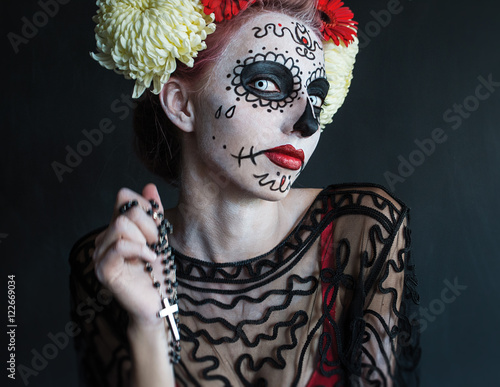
<point x="385" y="325"/>
<point x="101" y="345"/>
<point x="376" y="284"/>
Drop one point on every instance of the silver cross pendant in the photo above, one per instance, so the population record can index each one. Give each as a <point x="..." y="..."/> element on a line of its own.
<point x="168" y="312"/>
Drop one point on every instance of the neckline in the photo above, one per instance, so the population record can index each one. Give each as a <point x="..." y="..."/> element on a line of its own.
<point x="188" y="259"/>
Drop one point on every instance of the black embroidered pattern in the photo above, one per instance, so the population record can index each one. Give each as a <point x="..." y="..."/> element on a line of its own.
<point x="276" y="319"/>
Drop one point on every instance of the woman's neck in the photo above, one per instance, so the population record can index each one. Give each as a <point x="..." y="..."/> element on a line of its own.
<point x="221" y="229"/>
<point x="223" y="225"/>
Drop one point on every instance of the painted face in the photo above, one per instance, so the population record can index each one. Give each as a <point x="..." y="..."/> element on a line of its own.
<point x="257" y="121"/>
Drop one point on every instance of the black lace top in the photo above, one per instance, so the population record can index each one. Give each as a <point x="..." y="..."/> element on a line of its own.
<point x="329" y="305"/>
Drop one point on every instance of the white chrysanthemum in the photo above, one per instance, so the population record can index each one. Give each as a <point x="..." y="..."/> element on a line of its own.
<point x="339" y="63"/>
<point x="142" y="39"/>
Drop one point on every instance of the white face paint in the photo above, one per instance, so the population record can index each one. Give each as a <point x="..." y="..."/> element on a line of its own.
<point x="257" y="119"/>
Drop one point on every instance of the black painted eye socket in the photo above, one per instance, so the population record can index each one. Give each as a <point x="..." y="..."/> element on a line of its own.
<point x="318" y="90"/>
<point x="268" y="80"/>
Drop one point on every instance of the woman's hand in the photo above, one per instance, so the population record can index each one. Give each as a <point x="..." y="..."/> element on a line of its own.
<point x="121" y="252"/>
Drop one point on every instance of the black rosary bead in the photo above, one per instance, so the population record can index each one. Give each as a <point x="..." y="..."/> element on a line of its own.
<point x="161" y="247"/>
<point x="128" y="206"/>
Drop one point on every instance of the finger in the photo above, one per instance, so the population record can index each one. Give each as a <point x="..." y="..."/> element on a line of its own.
<point x="121" y="228"/>
<point x="125" y="196"/>
<point x="150" y="192"/>
<point x="144" y="222"/>
<point x="118" y="254"/>
<point x="138" y="212"/>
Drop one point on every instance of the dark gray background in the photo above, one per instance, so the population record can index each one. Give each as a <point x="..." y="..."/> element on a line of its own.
<point x="413" y="69"/>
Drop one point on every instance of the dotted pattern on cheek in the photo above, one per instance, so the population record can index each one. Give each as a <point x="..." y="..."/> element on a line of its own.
<point x="255" y="100"/>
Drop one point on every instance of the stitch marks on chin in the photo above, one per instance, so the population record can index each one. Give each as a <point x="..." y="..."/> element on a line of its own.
<point x="273" y="184"/>
<point x="282" y="184"/>
<point x="251" y="155"/>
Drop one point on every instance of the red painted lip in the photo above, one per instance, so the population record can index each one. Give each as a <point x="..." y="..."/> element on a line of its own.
<point x="286" y="156"/>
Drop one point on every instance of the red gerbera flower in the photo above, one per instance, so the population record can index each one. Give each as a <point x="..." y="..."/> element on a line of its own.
<point x="225" y="9"/>
<point x="337" y="22"/>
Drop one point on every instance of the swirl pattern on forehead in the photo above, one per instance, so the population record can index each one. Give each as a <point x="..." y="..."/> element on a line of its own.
<point x="242" y="91"/>
<point x="301" y="35"/>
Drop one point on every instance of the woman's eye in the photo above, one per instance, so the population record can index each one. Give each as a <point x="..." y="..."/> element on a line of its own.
<point x="316" y="101"/>
<point x="265" y="85"/>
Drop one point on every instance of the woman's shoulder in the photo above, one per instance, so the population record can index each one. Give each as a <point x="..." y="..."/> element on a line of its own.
<point x="360" y="190"/>
<point x="368" y="200"/>
<point x="344" y="190"/>
<point x="373" y="202"/>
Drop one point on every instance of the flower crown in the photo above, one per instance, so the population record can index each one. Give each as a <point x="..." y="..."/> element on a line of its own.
<point x="143" y="39"/>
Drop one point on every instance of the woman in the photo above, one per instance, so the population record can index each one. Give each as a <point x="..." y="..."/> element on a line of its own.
<point x="289" y="287"/>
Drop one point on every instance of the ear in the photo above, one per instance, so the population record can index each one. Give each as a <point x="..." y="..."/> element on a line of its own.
<point x="177" y="104"/>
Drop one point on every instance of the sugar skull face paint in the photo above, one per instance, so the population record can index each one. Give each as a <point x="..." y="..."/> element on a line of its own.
<point x="267" y="79"/>
<point x="257" y="119"/>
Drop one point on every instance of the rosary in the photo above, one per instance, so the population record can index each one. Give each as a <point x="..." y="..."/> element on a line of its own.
<point x="170" y="309"/>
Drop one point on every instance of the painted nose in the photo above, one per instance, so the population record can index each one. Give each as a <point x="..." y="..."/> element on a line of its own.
<point x="307" y="124"/>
